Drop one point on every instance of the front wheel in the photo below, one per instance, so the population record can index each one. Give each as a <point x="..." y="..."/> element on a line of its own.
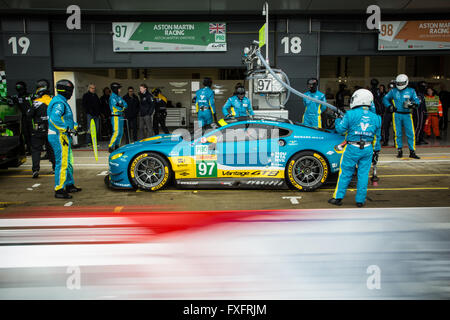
<point x="149" y="171"/>
<point x="307" y="171"/>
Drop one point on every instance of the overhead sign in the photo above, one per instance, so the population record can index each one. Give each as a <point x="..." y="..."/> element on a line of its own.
<point x="169" y="36"/>
<point x="262" y="36"/>
<point x="414" y="35"/>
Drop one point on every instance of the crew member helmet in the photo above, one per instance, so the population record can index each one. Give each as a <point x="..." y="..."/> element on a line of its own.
<point x="401" y="82"/>
<point x="361" y="97"/>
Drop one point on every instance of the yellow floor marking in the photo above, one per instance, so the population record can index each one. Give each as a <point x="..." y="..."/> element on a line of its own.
<point x="117" y="209"/>
<point x="2" y="208"/>
<point x="6" y="203"/>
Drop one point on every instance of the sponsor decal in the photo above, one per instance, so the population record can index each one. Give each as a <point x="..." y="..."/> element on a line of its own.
<point x="309" y="137"/>
<point x="265" y="183"/>
<point x="206" y="157"/>
<point x="279" y="157"/>
<point x="191" y="183"/>
<point x="325" y="167"/>
<point x="291" y="176"/>
<point x="163" y="182"/>
<point x="330" y="153"/>
<point x="201" y="150"/>
<point x="250" y="173"/>
<point x="133" y="165"/>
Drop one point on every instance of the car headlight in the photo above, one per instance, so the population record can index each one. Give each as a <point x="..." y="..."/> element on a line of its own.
<point x="116" y="156"/>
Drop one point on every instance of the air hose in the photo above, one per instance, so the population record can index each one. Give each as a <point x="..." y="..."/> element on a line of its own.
<point x="290" y="89"/>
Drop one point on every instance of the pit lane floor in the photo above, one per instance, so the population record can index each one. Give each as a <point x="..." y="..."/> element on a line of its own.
<point x="403" y="183"/>
<point x="227" y="244"/>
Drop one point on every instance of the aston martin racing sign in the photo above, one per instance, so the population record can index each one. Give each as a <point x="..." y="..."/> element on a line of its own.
<point x="414" y="35"/>
<point x="169" y="36"/>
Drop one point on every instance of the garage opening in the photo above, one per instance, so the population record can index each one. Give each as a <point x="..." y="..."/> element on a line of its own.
<point x="178" y="85"/>
<point x="357" y="71"/>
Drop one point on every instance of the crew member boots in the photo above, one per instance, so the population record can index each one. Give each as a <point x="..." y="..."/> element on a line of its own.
<point x="413" y="155"/>
<point x="400" y="153"/>
<point x="72" y="188"/>
<point x="336" y="202"/>
<point x="62" y="194"/>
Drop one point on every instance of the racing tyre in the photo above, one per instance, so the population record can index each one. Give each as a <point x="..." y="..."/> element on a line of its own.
<point x="149" y="171"/>
<point x="306" y="171"/>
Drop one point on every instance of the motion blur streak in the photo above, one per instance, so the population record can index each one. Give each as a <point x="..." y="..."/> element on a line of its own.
<point x="283" y="254"/>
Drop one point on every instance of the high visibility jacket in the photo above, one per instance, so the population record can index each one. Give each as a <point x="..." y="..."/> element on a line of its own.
<point x="434" y="105"/>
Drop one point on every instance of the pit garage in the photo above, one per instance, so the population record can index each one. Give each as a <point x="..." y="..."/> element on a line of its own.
<point x="260" y="229"/>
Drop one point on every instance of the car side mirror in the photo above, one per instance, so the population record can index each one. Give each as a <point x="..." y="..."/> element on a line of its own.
<point x="212" y="139"/>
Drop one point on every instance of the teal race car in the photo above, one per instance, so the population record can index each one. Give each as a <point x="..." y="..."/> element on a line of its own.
<point x="238" y="153"/>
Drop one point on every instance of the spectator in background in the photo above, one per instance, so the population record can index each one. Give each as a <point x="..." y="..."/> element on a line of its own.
<point x="91" y="106"/>
<point x="106" y="113"/>
<point x="160" y="116"/>
<point x="420" y="113"/>
<point x="382" y="88"/>
<point x="340" y="96"/>
<point x="147" y="107"/>
<point x="131" y="114"/>
<point x="377" y="97"/>
<point x="444" y="96"/>
<point x="434" y="112"/>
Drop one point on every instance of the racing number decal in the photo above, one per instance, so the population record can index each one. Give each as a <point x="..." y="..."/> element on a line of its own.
<point x="206" y="169"/>
<point x="324" y="165"/>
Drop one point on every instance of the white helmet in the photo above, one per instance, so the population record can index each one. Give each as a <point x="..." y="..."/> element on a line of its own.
<point x="401" y="81"/>
<point x="361" y="97"/>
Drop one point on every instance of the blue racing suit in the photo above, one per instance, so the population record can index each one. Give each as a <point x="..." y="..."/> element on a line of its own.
<point x="117" y="106"/>
<point x="60" y="118"/>
<point x="361" y="125"/>
<point x="402" y="116"/>
<point x="205" y="106"/>
<point x="312" y="116"/>
<point x="238" y="107"/>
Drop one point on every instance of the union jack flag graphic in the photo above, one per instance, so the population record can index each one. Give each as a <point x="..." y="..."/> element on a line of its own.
<point x="217" y="28"/>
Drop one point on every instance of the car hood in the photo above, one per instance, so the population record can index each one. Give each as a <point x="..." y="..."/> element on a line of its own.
<point x="166" y="139"/>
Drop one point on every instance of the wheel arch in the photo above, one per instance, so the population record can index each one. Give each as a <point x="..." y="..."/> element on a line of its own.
<point x="310" y="150"/>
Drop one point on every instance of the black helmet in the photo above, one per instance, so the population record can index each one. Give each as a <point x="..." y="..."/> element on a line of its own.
<point x="42" y="87"/>
<point x="65" y="88"/>
<point x="374" y="82"/>
<point x="240" y="92"/>
<point x="312" y="84"/>
<point x="115" y="87"/>
<point x="207" y="82"/>
<point x="21" y="87"/>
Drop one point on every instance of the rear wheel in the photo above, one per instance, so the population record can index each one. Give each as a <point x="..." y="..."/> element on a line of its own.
<point x="149" y="171"/>
<point x="307" y="171"/>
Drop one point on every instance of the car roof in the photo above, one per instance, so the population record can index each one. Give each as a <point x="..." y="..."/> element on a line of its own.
<point x="267" y="120"/>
